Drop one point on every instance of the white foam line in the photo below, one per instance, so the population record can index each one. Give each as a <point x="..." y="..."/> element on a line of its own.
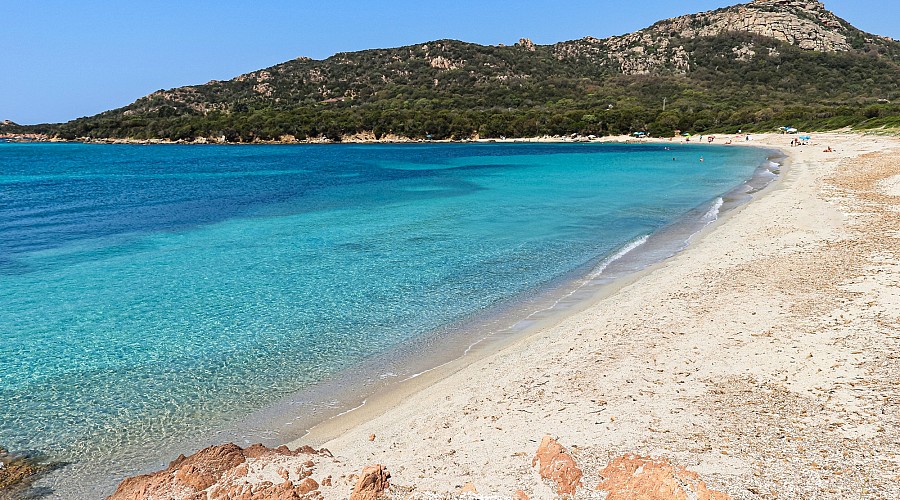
<point x="351" y="409"/>
<point x="473" y="344"/>
<point x="595" y="273"/>
<point x="430" y="369"/>
<point x="618" y="255"/>
<point x="712" y="214"/>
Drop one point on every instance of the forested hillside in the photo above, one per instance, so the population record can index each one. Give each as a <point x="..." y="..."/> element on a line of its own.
<point x="754" y="66"/>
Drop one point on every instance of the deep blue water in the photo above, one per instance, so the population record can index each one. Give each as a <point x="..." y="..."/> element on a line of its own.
<point x="150" y="291"/>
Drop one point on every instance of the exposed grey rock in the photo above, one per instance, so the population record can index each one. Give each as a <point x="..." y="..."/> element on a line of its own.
<point x="804" y="23"/>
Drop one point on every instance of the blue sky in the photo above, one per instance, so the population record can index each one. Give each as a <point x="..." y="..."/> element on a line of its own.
<point x="61" y="59"/>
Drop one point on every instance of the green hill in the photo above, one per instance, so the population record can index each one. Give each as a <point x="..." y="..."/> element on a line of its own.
<point x="753" y="66"/>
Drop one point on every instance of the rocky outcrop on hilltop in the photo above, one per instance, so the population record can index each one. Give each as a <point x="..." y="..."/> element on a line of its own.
<point x="806" y="24"/>
<point x="527" y="44"/>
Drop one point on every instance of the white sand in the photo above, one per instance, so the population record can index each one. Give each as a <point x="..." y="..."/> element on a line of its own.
<point x="891" y="186"/>
<point x="762" y="357"/>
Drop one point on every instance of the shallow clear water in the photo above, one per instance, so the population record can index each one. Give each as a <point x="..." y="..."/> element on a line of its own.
<point x="149" y="293"/>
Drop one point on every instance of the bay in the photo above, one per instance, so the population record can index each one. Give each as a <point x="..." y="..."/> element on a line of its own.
<point x="151" y="293"/>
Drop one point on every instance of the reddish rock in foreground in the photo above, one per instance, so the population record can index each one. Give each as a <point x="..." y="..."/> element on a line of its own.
<point x="229" y="471"/>
<point x="372" y="483"/>
<point x="558" y="466"/>
<point x="630" y="476"/>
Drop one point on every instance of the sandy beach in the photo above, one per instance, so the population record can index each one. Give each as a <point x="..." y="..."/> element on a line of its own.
<point x="763" y="358"/>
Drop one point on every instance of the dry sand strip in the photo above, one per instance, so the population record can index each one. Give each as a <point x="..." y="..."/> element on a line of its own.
<point x="765" y="357"/>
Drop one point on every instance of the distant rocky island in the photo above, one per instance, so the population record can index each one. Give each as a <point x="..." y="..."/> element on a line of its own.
<point x="753" y="66"/>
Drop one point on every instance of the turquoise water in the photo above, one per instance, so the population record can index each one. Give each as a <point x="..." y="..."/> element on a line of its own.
<point x="154" y="292"/>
